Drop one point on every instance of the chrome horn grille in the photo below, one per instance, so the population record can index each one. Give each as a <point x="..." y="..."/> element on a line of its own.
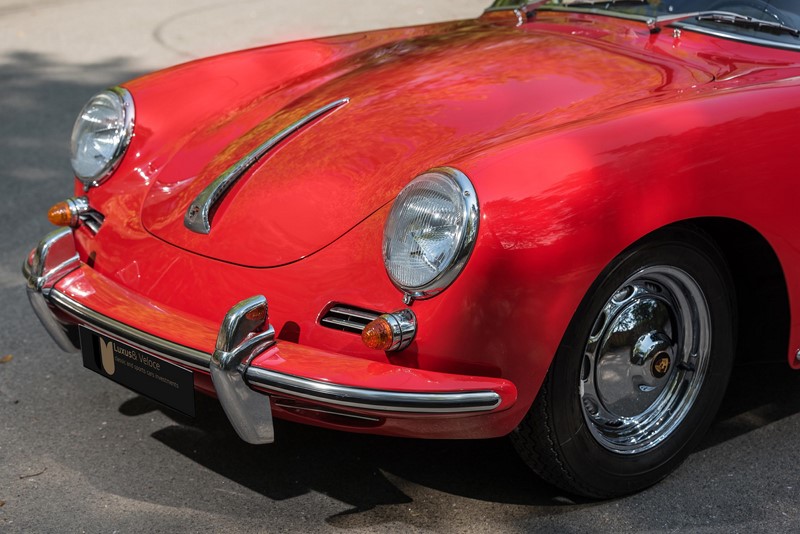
<point x="348" y="319"/>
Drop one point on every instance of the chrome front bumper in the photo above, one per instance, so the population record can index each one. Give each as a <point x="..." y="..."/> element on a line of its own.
<point x="54" y="258"/>
<point x="245" y="333"/>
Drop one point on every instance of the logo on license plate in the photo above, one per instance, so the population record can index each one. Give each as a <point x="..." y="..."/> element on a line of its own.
<point x="107" y="356"/>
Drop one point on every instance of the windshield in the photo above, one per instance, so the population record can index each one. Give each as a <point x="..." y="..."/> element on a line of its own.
<point x="739" y="19"/>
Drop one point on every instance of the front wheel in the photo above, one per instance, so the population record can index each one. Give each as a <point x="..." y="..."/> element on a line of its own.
<point x="640" y="372"/>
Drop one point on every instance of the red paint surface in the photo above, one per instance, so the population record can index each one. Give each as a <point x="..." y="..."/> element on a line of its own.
<point x="580" y="133"/>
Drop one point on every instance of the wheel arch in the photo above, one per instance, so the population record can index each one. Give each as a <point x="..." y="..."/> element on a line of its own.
<point x="762" y="297"/>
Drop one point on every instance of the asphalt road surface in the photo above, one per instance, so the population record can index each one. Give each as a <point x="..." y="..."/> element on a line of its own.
<point x="80" y="454"/>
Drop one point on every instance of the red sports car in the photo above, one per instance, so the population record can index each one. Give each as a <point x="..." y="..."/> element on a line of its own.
<point x="561" y="221"/>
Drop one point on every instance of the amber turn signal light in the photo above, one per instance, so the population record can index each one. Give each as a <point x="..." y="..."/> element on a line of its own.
<point x="391" y="331"/>
<point x="378" y="334"/>
<point x="60" y="214"/>
<point x="258" y="314"/>
<point x="68" y="212"/>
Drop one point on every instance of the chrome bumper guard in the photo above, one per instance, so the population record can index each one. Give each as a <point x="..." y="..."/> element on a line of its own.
<point x="245" y="332"/>
<point x="54" y="258"/>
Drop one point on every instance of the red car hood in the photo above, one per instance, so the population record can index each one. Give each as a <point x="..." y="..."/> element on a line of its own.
<point x="414" y="104"/>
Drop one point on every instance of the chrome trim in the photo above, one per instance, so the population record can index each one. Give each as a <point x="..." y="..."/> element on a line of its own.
<point x="343" y="323"/>
<point x="93" y="220"/>
<point x="596" y="11"/>
<point x="719" y="16"/>
<point x="736" y="37"/>
<point x="469" y="234"/>
<point x="518" y="13"/>
<point x="197" y="218"/>
<point x="344" y="317"/>
<point x="657" y="23"/>
<point x="645" y="360"/>
<point x="80" y="212"/>
<point x="506" y="5"/>
<point x="236" y="357"/>
<point x="373" y="399"/>
<point x="77" y="206"/>
<point x="361" y="314"/>
<point x="54" y="258"/>
<point x="244" y="332"/>
<point x="316" y="409"/>
<point x="404" y="328"/>
<point x="56" y="329"/>
<point x="129" y="119"/>
<point x="142" y="340"/>
<point x="682" y="25"/>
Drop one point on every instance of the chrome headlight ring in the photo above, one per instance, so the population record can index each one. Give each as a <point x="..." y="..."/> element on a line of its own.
<point x="430" y="232"/>
<point x="101" y="135"/>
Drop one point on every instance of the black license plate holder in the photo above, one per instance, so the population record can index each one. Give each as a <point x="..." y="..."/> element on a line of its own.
<point x="139" y="370"/>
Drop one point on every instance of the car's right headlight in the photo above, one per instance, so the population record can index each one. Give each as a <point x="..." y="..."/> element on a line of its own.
<point x="101" y="135"/>
<point x="430" y="232"/>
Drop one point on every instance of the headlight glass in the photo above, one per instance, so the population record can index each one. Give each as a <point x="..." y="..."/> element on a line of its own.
<point x="101" y="134"/>
<point x="430" y="232"/>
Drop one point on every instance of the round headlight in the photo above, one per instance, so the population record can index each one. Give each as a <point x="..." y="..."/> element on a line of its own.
<point x="101" y="134"/>
<point x="430" y="232"/>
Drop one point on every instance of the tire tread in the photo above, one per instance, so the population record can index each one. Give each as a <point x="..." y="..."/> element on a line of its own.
<point x="536" y="445"/>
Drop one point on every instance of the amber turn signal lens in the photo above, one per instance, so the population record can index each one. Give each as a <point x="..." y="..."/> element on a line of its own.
<point x="60" y="214"/>
<point x="68" y="212"/>
<point x="378" y="334"/>
<point x="257" y="314"/>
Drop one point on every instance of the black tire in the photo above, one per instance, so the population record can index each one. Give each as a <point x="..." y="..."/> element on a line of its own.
<point x="614" y="432"/>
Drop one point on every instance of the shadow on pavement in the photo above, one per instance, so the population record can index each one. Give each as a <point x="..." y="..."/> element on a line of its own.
<point x="352" y="468"/>
<point x="758" y="394"/>
<point x="366" y="471"/>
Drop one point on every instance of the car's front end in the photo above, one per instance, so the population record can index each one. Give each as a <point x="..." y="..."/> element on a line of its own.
<point x="335" y="341"/>
<point x="241" y="351"/>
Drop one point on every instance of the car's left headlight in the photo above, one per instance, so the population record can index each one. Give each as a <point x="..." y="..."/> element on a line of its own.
<point x="101" y="135"/>
<point x="430" y="232"/>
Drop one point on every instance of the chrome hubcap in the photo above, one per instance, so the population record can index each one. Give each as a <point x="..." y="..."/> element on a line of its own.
<point x="645" y="359"/>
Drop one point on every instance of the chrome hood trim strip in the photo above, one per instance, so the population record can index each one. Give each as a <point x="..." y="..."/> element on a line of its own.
<point x="197" y="218"/>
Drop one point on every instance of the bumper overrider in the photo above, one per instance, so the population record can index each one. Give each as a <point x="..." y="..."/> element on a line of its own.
<point x="248" y="366"/>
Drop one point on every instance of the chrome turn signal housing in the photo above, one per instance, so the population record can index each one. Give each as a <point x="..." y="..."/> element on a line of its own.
<point x="391" y="332"/>
<point x="68" y="212"/>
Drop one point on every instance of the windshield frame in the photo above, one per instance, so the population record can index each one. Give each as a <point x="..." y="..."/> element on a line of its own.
<point x="688" y="25"/>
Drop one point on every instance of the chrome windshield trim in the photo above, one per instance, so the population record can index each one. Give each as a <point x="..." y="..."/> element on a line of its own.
<point x="735" y="36"/>
<point x="688" y="26"/>
<point x="141" y="340"/>
<point x="372" y="399"/>
<point x="506" y="5"/>
<point x="596" y="11"/>
<point x="197" y="218"/>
